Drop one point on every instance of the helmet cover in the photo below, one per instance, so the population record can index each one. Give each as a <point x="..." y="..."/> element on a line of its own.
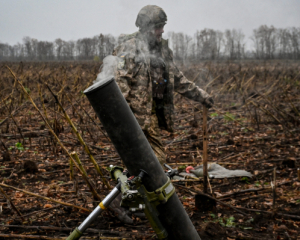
<point x="151" y="16"/>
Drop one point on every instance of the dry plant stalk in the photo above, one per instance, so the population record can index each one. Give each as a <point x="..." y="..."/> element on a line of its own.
<point x="224" y="85"/>
<point x="12" y="92"/>
<point x="45" y="198"/>
<point x="267" y="112"/>
<point x="231" y="118"/>
<point x="86" y="148"/>
<point x="212" y="198"/>
<point x="11" y="203"/>
<point x="75" y="156"/>
<point x="71" y="170"/>
<point x="248" y="82"/>
<point x="97" y="125"/>
<point x="14" y="113"/>
<point x="15" y="122"/>
<point x="82" y="108"/>
<point x="211" y="82"/>
<point x="277" y="109"/>
<point x="19" y="236"/>
<point x="42" y="101"/>
<point x="92" y="189"/>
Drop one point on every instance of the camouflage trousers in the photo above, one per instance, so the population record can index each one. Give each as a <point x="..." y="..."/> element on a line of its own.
<point x="154" y="138"/>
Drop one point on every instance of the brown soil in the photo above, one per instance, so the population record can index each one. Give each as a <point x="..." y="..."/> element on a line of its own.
<point x="254" y="126"/>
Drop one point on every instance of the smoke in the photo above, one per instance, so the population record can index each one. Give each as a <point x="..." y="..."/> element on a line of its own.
<point x="109" y="68"/>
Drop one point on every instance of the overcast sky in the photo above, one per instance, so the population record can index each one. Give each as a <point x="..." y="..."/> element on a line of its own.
<point x="74" y="19"/>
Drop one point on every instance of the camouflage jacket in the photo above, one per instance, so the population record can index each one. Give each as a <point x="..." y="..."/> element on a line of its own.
<point x="133" y="78"/>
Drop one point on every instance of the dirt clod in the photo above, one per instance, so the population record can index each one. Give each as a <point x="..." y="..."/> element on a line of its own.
<point x="289" y="163"/>
<point x="214" y="229"/>
<point x="30" y="167"/>
<point x="6" y="156"/>
<point x="204" y="204"/>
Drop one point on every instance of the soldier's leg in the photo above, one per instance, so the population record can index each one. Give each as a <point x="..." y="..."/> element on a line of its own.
<point x="154" y="138"/>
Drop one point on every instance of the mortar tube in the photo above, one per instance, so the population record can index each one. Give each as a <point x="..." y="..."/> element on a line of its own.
<point x="136" y="153"/>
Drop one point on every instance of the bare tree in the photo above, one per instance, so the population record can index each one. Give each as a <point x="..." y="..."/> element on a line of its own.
<point x="45" y="50"/>
<point x="68" y="50"/>
<point x="58" y="48"/>
<point x="85" y="48"/>
<point x="180" y="44"/>
<point x="234" y="44"/>
<point x="19" y="51"/>
<point x="209" y="44"/>
<point x="265" y="40"/>
<point x="284" y="39"/>
<point x="269" y="42"/>
<point x="295" y="41"/>
<point x="4" y="51"/>
<point x="109" y="42"/>
<point x="28" y="48"/>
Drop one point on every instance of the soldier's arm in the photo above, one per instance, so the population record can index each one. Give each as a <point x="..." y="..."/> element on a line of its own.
<point x="189" y="89"/>
<point x="121" y="75"/>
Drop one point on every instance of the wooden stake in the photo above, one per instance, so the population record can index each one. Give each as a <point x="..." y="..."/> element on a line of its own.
<point x="205" y="149"/>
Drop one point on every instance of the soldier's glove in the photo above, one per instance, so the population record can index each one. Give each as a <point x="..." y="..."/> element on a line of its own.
<point x="208" y="102"/>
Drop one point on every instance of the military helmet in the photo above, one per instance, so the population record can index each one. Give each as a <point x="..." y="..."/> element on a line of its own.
<point x="151" y="16"/>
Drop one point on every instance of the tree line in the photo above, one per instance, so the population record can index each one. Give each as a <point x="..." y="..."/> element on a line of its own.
<point x="208" y="44"/>
<point x="95" y="48"/>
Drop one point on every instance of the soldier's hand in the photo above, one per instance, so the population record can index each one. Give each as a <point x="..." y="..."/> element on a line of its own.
<point x="208" y="102"/>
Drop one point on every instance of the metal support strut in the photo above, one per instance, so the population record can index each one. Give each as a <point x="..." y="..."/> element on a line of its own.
<point x="77" y="233"/>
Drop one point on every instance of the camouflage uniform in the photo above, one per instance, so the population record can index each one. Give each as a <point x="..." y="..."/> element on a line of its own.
<point x="148" y="79"/>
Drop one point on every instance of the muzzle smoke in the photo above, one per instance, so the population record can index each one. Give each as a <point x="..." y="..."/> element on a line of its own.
<point x="108" y="68"/>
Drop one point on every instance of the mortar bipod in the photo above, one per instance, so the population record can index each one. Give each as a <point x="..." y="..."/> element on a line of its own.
<point x="134" y="197"/>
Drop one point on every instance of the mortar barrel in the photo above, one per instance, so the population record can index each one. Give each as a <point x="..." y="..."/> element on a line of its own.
<point x="136" y="153"/>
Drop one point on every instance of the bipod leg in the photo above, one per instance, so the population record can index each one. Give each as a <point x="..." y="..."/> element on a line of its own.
<point x="77" y="233"/>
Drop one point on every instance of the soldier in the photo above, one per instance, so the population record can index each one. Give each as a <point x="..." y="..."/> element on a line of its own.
<point x="148" y="77"/>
